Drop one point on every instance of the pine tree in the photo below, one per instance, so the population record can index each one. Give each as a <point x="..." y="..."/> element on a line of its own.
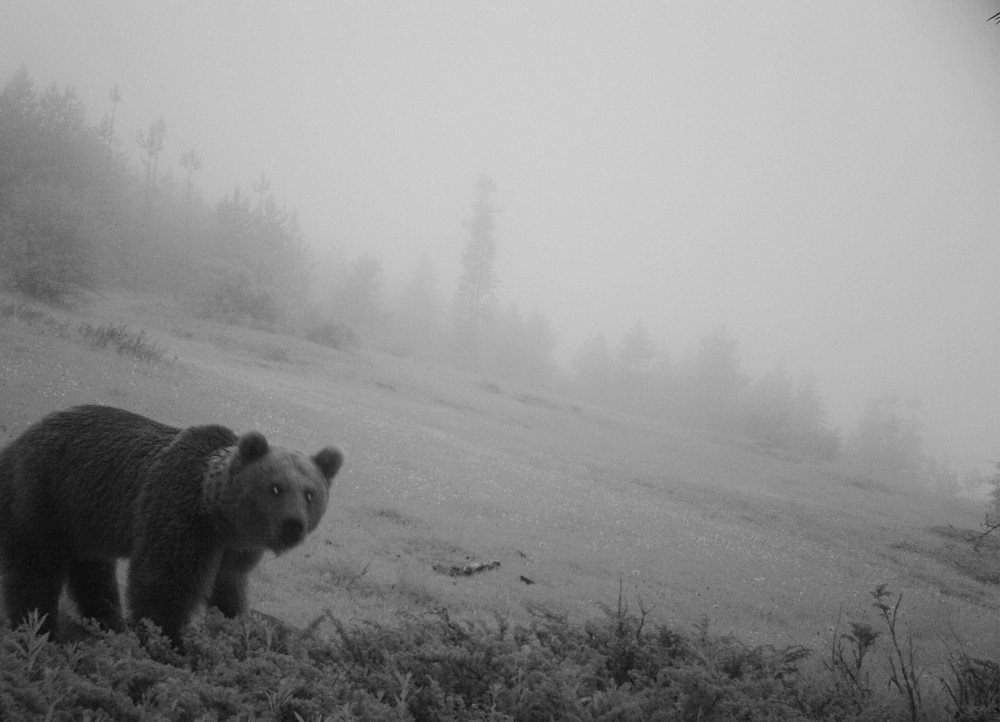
<point x="190" y="162"/>
<point x="770" y="407"/>
<point x="594" y="364"/>
<point x="636" y="349"/>
<point x="521" y="348"/>
<point x="361" y="297"/>
<point x="714" y="384"/>
<point x="418" y="312"/>
<point x="151" y="143"/>
<point x="474" y="301"/>
<point x="888" y="444"/>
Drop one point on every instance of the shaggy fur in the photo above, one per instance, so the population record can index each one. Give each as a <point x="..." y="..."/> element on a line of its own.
<point x="192" y="509"/>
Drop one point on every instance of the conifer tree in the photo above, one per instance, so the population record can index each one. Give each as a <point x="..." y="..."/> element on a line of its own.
<point x="474" y="301"/>
<point x="636" y="349"/>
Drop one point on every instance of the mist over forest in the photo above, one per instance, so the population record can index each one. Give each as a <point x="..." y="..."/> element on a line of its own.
<point x="825" y="287"/>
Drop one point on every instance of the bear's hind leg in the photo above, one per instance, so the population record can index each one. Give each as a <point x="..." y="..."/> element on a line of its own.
<point x="32" y="583"/>
<point x="229" y="593"/>
<point x="94" y="588"/>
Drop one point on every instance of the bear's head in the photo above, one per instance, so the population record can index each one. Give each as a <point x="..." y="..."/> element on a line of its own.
<point x="269" y="496"/>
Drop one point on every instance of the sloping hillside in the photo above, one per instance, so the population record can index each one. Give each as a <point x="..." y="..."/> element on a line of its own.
<point x="446" y="469"/>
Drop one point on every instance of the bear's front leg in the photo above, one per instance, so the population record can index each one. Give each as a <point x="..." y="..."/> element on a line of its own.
<point x="93" y="587"/>
<point x="167" y="579"/>
<point x="229" y="594"/>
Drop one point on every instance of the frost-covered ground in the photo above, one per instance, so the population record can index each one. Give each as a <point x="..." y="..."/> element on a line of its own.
<point x="445" y="468"/>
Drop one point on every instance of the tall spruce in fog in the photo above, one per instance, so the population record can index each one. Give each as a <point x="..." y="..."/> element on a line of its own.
<point x="790" y="416"/>
<point x="474" y="300"/>
<point x="261" y="266"/>
<point x="68" y="216"/>
<point x="360" y="298"/>
<point x="539" y="340"/>
<point x="191" y="163"/>
<point x="521" y="348"/>
<point x="18" y="141"/>
<point x="594" y="364"/>
<point x="18" y="119"/>
<point x="51" y="192"/>
<point x="262" y="187"/>
<point x="712" y="390"/>
<point x="717" y="368"/>
<point x="151" y="143"/>
<point x="808" y="409"/>
<point x="421" y="297"/>
<point x="418" y="313"/>
<point x="887" y="443"/>
<point x="636" y="349"/>
<point x="106" y="128"/>
<point x="770" y="407"/>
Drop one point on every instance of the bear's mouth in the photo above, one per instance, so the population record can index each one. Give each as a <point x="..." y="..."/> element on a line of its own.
<point x="291" y="534"/>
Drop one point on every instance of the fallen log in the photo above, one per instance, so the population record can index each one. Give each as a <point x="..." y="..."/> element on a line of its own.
<point x="468" y="570"/>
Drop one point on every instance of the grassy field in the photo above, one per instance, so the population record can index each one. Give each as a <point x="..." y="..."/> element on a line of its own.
<point x="446" y="469"/>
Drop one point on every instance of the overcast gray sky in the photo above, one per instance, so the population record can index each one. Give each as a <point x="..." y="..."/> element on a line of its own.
<point x="822" y="178"/>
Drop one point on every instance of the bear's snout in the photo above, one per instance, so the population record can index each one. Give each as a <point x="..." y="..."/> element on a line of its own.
<point x="292" y="532"/>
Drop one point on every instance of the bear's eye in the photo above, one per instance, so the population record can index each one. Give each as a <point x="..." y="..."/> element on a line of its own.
<point x="309" y="497"/>
<point x="275" y="490"/>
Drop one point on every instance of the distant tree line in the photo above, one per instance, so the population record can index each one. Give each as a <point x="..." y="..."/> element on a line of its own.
<point x="74" y="215"/>
<point x="709" y="390"/>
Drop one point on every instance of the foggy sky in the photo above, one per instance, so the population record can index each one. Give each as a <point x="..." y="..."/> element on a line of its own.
<point x="822" y="178"/>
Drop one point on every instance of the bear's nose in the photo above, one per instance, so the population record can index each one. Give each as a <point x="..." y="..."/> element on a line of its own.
<point x="292" y="531"/>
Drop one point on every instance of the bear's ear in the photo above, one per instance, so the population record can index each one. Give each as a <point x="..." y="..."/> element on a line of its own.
<point x="328" y="460"/>
<point x="252" y="446"/>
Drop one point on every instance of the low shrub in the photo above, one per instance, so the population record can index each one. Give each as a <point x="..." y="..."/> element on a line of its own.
<point x="119" y="338"/>
<point x="974" y="688"/>
<point x="335" y="335"/>
<point x="433" y="667"/>
<point x="234" y="294"/>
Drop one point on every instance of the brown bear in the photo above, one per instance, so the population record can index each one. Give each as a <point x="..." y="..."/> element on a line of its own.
<point x="192" y="509"/>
